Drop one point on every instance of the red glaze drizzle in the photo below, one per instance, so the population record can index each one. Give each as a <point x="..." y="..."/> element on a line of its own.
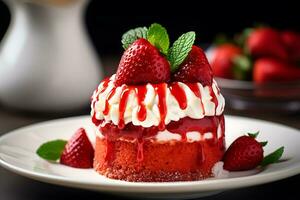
<point x="195" y="89"/>
<point x="213" y="98"/>
<point x="122" y="106"/>
<point x="105" y="84"/>
<point x="179" y="95"/>
<point x="109" y="150"/>
<point x="141" y="94"/>
<point x="110" y="95"/>
<point x="162" y="106"/>
<point x="140" y="150"/>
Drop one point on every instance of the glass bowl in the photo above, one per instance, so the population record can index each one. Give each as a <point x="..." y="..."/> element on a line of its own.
<point x="272" y="97"/>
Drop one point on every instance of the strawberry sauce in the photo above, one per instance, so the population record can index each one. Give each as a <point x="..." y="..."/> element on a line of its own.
<point x="141" y="94"/>
<point x="110" y="95"/>
<point x="213" y="98"/>
<point x="162" y="106"/>
<point x="179" y="95"/>
<point x="122" y="107"/>
<point x="195" y="89"/>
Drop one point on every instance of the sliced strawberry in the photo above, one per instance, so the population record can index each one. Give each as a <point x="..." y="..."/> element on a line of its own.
<point x="142" y="63"/>
<point x="266" y="42"/>
<point x="195" y="68"/>
<point x="244" y="153"/>
<point x="222" y="60"/>
<point x="78" y="152"/>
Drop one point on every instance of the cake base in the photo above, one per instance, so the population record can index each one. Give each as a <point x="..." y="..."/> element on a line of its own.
<point x="156" y="162"/>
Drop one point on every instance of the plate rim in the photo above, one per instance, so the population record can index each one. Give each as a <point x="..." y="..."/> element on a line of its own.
<point x="142" y="187"/>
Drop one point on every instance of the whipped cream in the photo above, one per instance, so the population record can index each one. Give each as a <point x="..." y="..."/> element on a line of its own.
<point x="197" y="107"/>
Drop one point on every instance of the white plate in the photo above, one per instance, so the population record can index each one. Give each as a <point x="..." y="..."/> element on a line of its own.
<point x="17" y="153"/>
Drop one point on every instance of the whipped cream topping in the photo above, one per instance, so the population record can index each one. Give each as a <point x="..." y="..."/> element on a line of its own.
<point x="107" y="99"/>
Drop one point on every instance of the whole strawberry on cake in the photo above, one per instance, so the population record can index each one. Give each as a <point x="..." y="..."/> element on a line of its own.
<point x="160" y="117"/>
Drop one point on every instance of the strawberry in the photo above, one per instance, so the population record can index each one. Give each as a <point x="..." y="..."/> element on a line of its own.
<point x="266" y="42"/>
<point x="272" y="70"/>
<point x="222" y="60"/>
<point x="78" y="152"/>
<point x="292" y="42"/>
<point x="195" y="68"/>
<point x="244" y="153"/>
<point x="142" y="63"/>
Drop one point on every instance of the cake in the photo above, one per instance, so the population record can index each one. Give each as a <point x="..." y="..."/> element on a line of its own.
<point x="158" y="119"/>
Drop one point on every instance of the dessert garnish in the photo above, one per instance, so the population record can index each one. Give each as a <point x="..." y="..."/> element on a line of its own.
<point x="78" y="152"/>
<point x="246" y="153"/>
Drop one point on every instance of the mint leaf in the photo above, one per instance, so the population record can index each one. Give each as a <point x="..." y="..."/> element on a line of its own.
<point x="180" y="49"/>
<point x="158" y="37"/>
<point x="132" y="35"/>
<point x="272" y="157"/>
<point x="264" y="143"/>
<point x="51" y="150"/>
<point x="253" y="135"/>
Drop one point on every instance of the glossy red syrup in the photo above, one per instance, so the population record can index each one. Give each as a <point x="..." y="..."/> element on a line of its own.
<point x="140" y="150"/>
<point x="122" y="107"/>
<point x="141" y="94"/>
<point x="179" y="95"/>
<point x="110" y="95"/>
<point x="105" y="84"/>
<point x="109" y="154"/>
<point x="214" y="98"/>
<point x="195" y="89"/>
<point x="162" y="106"/>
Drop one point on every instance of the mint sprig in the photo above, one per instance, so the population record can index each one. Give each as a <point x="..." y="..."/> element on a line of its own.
<point x="132" y="35"/>
<point x="51" y="150"/>
<point x="158" y="37"/>
<point x="272" y="157"/>
<point x="180" y="49"/>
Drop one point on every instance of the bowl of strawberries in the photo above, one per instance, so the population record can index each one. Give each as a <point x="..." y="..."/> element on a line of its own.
<point x="259" y="69"/>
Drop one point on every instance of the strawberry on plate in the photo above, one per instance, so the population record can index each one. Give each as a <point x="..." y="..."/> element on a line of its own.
<point x="78" y="152"/>
<point x="246" y="153"/>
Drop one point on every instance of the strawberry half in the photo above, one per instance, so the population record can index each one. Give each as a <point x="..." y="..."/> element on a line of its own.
<point x="244" y="153"/>
<point x="195" y="68"/>
<point x="78" y="152"/>
<point x="142" y="63"/>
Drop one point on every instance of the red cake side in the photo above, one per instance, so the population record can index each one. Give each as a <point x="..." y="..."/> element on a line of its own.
<point x="153" y="161"/>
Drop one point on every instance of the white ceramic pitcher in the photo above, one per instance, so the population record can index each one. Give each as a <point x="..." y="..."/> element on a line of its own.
<point x="46" y="60"/>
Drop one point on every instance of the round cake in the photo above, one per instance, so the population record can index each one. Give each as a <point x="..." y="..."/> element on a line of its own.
<point x="160" y="117"/>
<point x="161" y="132"/>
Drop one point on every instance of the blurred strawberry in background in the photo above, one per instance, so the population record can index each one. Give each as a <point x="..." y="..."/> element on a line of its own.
<point x="261" y="54"/>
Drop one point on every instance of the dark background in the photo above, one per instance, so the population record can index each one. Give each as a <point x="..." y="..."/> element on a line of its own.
<point x="206" y="19"/>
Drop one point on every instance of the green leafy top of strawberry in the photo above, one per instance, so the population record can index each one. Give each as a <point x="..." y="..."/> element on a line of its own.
<point x="157" y="35"/>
